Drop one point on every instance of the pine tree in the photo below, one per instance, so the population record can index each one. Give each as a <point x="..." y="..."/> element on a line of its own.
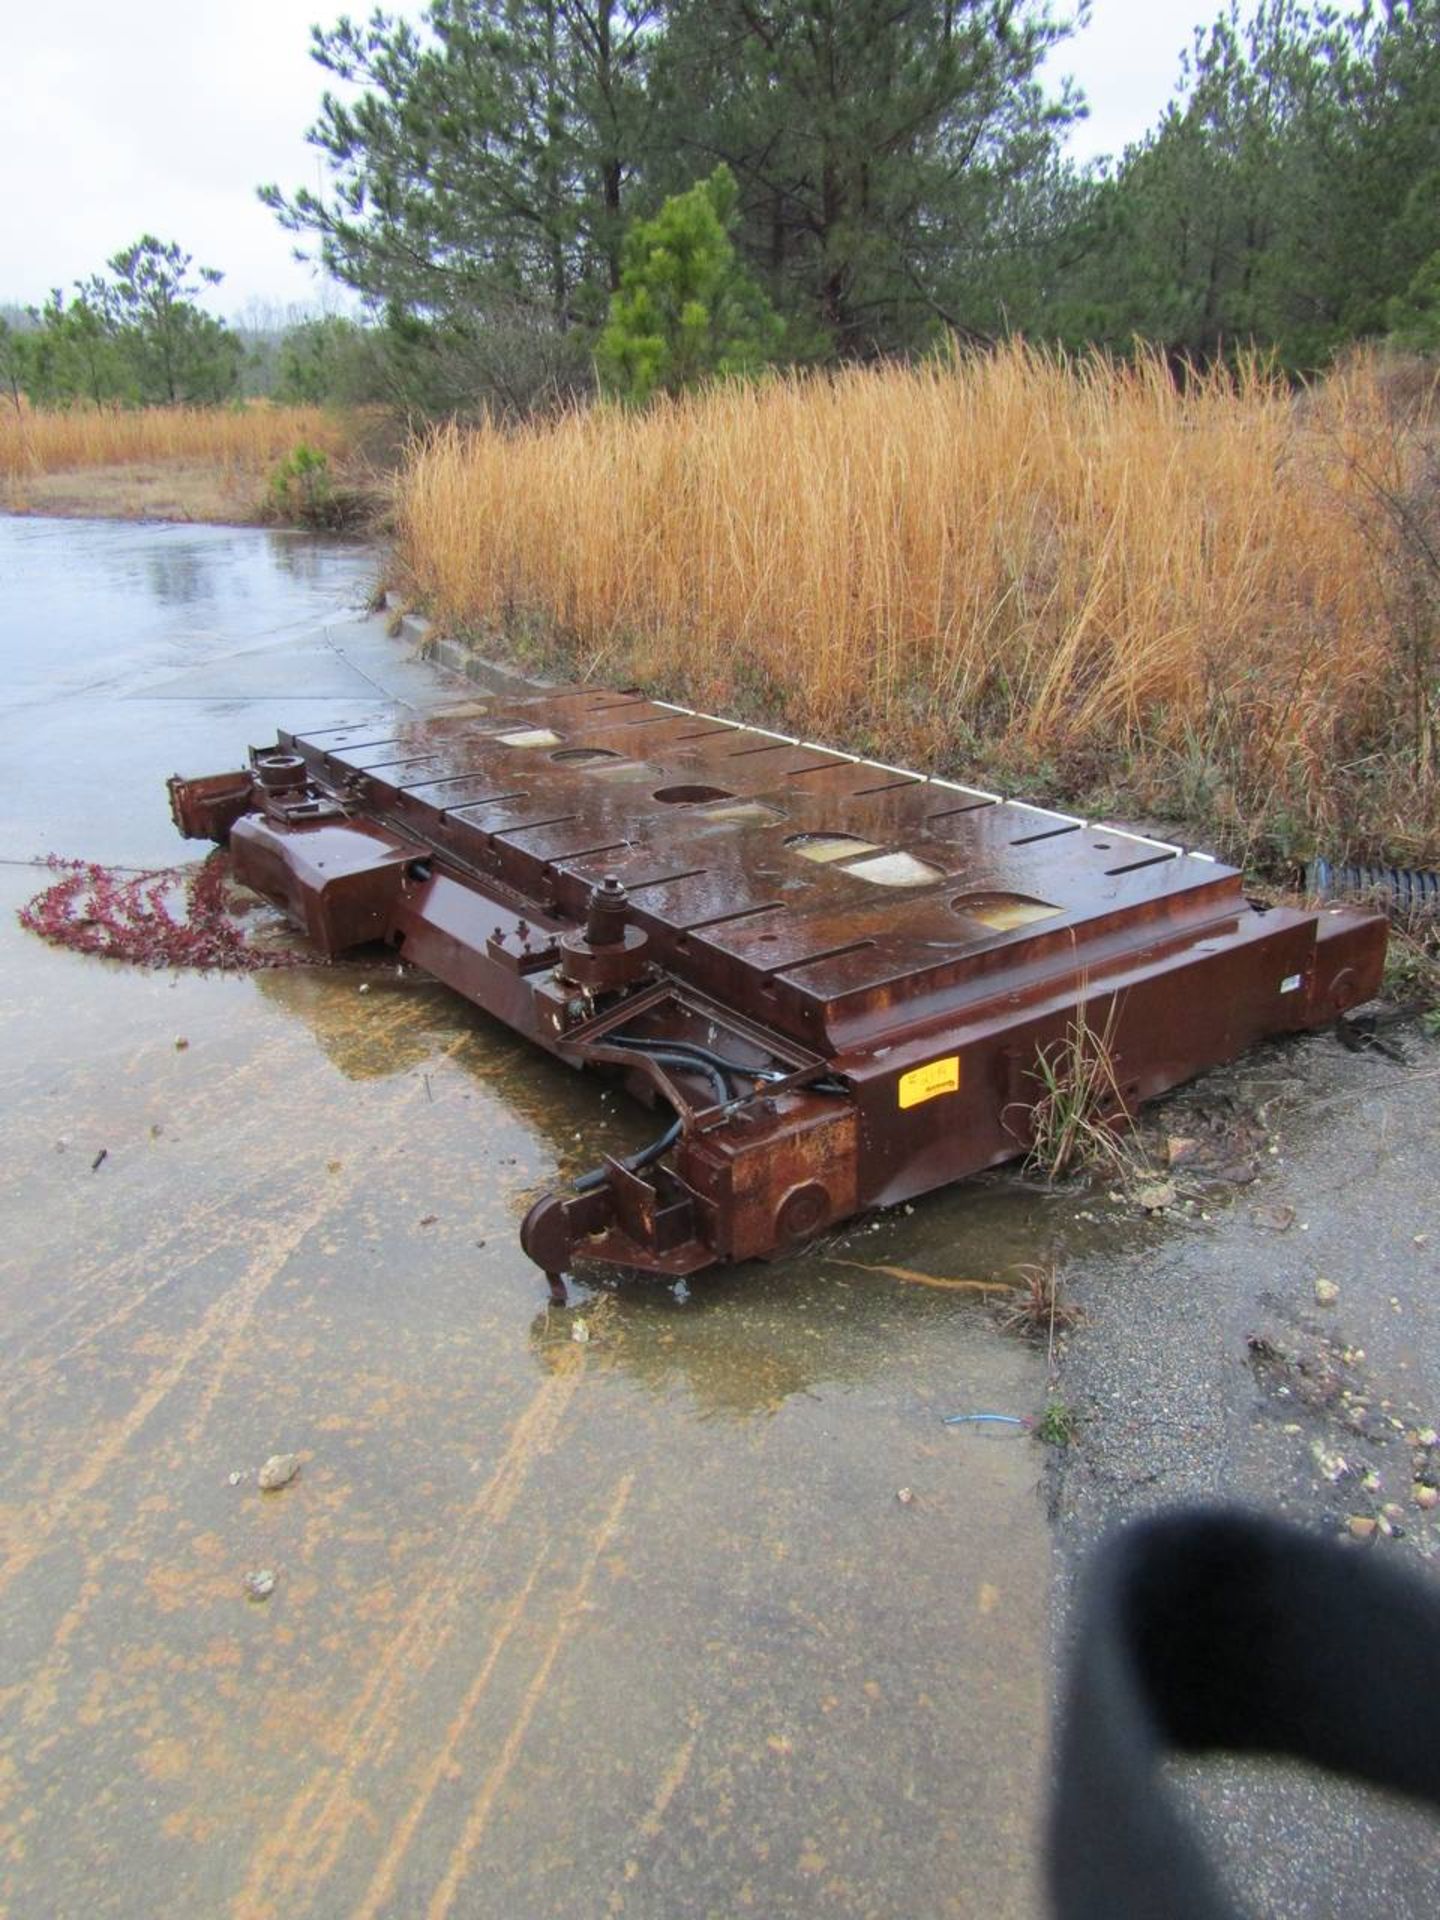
<point x="874" y="144"/>
<point x="685" y="309"/>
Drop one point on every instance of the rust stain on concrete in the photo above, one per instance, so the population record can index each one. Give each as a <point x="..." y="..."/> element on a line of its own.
<point x="462" y="1857"/>
<point x="309" y="1839"/>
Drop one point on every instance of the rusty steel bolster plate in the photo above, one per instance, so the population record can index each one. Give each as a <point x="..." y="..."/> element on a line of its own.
<point x="207" y="808"/>
<point x="920" y="939"/>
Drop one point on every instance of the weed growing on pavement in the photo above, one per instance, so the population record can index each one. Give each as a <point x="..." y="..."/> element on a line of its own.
<point x="1036" y="1307"/>
<point x="1058" y="1425"/>
<point x="1080" y="1121"/>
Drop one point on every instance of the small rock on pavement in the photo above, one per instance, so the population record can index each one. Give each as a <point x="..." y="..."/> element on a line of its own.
<point x="1361" y="1526"/>
<point x="1155" y="1196"/>
<point x="1326" y="1293"/>
<point x="260" y="1584"/>
<point x="905" y="1496"/>
<point x="278" y="1471"/>
<point x="1276" y="1219"/>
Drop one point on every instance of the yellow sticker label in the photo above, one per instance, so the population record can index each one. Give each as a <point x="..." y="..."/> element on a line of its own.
<point x="923" y="1083"/>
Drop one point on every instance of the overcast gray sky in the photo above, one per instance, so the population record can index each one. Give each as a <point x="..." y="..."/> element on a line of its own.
<point x="163" y="116"/>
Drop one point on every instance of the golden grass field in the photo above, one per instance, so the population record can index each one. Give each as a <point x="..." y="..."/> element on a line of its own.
<point x="1207" y="601"/>
<point x="199" y="463"/>
<point x="36" y="442"/>
<point x="1219" y="603"/>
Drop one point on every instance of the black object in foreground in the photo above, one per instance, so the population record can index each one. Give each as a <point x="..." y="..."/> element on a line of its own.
<point x="1209" y="1629"/>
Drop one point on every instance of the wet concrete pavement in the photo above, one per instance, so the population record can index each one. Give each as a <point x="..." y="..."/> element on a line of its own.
<point x="637" y="1626"/>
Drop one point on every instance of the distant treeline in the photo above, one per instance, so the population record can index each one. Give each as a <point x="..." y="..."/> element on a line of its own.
<point x="135" y="336"/>
<point x="503" y="179"/>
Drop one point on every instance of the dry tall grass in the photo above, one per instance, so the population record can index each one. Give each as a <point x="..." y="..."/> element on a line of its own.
<point x="251" y="438"/>
<point x="1073" y="569"/>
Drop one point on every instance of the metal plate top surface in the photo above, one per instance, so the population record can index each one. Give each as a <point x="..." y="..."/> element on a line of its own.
<point x="714" y="828"/>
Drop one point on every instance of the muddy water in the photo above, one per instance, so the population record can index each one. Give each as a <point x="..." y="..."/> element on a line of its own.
<point x="634" y="1625"/>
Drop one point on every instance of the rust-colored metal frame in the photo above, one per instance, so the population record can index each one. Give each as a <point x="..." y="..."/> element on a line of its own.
<point x="840" y="975"/>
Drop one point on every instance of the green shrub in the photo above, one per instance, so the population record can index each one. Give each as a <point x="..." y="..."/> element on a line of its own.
<point x="303" y="493"/>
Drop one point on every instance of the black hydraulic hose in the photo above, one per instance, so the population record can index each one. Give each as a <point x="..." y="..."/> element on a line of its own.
<point x="639" y="1043"/>
<point x="692" y="1059"/>
<point x="665" y="1057"/>
<point x="597" y="1176"/>
<point x="694" y="1055"/>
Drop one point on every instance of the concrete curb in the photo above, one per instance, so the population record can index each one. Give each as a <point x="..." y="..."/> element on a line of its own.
<point x="454" y="657"/>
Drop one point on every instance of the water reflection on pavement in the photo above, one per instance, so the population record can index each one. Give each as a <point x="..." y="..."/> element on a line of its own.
<point x="630" y="1625"/>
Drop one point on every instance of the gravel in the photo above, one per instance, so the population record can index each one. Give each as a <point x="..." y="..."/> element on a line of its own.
<point x="1295" y="1370"/>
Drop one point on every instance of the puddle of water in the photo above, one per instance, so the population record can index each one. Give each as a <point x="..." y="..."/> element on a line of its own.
<point x="636" y="1626"/>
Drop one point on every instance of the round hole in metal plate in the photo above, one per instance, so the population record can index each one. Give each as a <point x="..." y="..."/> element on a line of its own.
<point x="894" y="869"/>
<point x="529" y="737"/>
<point x="1003" y="911"/>
<point x="691" y="796"/>
<point x="825" y="847"/>
<point x="582" y="756"/>
<point x="745" y="813"/>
